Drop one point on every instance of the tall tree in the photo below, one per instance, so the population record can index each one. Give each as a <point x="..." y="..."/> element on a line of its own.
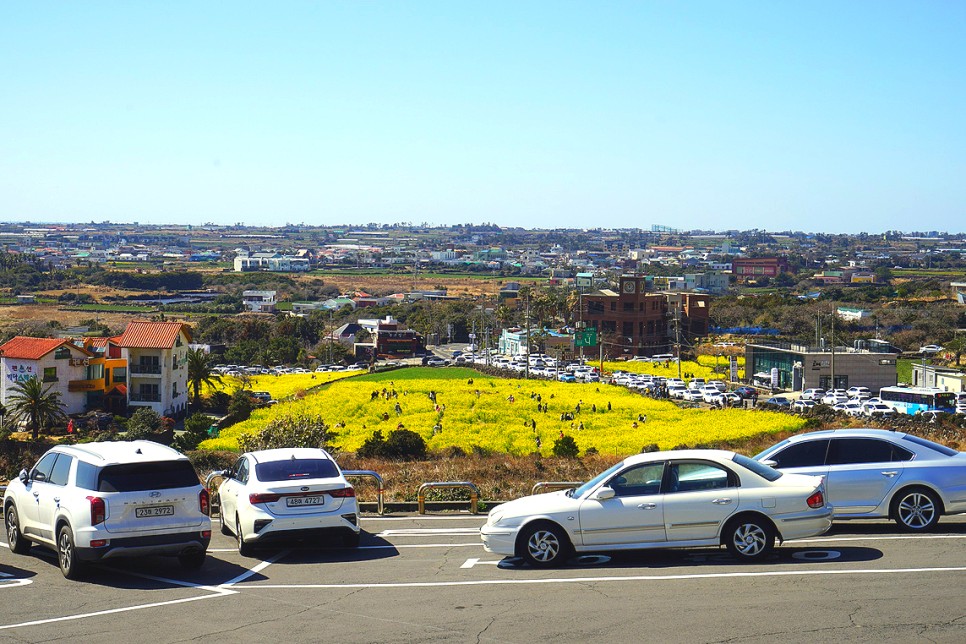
<point x="39" y="407"/>
<point x="201" y="371"/>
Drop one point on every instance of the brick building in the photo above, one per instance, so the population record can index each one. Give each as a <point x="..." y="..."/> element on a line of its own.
<point x="636" y="322"/>
<point x="755" y="268"/>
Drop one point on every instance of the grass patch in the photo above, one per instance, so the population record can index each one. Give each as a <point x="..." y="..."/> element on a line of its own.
<point x="423" y="373"/>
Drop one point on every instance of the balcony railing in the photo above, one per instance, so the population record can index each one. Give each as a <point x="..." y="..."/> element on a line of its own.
<point x="139" y="397"/>
<point x="153" y="369"/>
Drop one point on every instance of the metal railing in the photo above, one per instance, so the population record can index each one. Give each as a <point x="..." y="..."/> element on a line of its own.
<point x="474" y="493"/>
<point x="380" y="492"/>
<point x="546" y="486"/>
<point x="145" y="368"/>
<point x="136" y="397"/>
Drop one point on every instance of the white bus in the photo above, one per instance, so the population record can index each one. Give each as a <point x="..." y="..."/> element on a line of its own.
<point x="916" y="400"/>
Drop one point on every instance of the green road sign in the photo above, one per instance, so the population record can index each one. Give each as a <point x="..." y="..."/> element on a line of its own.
<point x="585" y="338"/>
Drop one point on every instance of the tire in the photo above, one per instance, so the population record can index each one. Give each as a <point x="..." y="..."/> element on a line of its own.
<point x="351" y="539"/>
<point x="67" y="559"/>
<point x="749" y="538"/>
<point x="916" y="510"/>
<point x="15" y="539"/>
<point x="244" y="549"/>
<point x="544" y="545"/>
<point x="192" y="560"/>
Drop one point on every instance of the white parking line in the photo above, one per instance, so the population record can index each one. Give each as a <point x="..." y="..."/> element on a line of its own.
<point x="584" y="580"/>
<point x="254" y="571"/>
<point x="422" y="532"/>
<point x="893" y="538"/>
<point x="112" y="611"/>
<point x="14" y="583"/>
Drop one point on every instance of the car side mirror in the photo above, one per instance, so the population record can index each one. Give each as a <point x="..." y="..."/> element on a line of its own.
<point x="769" y="462"/>
<point x="604" y="493"/>
<point x="39" y="476"/>
<point x="23" y="476"/>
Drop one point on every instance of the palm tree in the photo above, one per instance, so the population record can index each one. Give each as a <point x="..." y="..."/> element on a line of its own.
<point x="30" y="402"/>
<point x="201" y="371"/>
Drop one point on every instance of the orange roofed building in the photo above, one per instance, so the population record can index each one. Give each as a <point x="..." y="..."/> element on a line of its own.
<point x="157" y="356"/>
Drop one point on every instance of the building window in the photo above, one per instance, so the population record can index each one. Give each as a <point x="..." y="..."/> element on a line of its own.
<point x="629" y="307"/>
<point x="610" y="326"/>
<point x="119" y="375"/>
<point x="613" y="306"/>
<point x="595" y="308"/>
<point x="50" y="374"/>
<point x="628" y="329"/>
<point x="62" y="353"/>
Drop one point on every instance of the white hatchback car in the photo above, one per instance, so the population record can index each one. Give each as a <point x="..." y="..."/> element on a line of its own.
<point x="686" y="498"/>
<point x="99" y="501"/>
<point x="287" y="494"/>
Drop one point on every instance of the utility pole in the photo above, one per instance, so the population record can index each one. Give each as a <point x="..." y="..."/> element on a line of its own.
<point x="832" y="361"/>
<point x="526" y="319"/>
<point x="677" y="336"/>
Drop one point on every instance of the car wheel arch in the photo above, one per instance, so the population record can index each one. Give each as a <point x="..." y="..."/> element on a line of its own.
<point x="520" y="544"/>
<point x="749" y="514"/>
<point x="914" y="487"/>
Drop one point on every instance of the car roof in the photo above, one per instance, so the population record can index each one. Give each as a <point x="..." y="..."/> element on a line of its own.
<point x="849" y="433"/>
<point x="678" y="454"/>
<point x="285" y="453"/>
<point x="117" y="452"/>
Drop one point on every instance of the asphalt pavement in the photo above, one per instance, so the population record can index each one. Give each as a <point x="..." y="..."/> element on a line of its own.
<point x="426" y="578"/>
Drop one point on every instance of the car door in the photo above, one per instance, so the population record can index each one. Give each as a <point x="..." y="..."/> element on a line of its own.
<point x="230" y="488"/>
<point x="634" y="514"/>
<point x="36" y="489"/>
<point x="862" y="472"/>
<point x="699" y="497"/>
<point x="51" y="495"/>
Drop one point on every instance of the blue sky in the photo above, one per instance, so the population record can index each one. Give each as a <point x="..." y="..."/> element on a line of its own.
<point x="817" y="116"/>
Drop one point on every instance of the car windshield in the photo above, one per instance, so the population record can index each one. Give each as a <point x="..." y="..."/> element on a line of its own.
<point x="589" y="485"/>
<point x="296" y="469"/>
<point x="922" y="442"/>
<point x="765" y="472"/>
<point x="138" y="477"/>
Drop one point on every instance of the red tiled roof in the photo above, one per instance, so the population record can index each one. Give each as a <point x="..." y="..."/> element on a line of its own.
<point x="26" y="348"/>
<point x="152" y="335"/>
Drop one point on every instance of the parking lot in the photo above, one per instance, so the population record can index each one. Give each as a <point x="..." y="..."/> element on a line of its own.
<point x="426" y="578"/>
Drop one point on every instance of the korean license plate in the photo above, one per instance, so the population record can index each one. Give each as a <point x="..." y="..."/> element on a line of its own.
<point x="154" y="511"/>
<point x="295" y="501"/>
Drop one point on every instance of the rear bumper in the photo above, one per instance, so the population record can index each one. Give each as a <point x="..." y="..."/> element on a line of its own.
<point x="805" y="524"/>
<point x="170" y="545"/>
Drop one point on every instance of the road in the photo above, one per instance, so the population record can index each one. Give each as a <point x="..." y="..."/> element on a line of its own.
<point x="426" y="578"/>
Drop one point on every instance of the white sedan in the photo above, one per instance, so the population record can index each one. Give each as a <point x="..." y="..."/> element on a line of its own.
<point x="686" y="498"/>
<point x="294" y="493"/>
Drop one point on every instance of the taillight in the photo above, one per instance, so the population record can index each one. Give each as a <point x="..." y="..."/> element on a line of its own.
<point x="342" y="493"/>
<point x="817" y="500"/>
<point x="98" y="510"/>
<point x="203" y="502"/>
<point x="255" y="499"/>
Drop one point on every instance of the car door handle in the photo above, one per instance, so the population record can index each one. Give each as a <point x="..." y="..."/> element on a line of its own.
<point x="722" y="501"/>
<point x="56" y="499"/>
<point x="647" y="506"/>
<point x="36" y="495"/>
<point x="890" y="473"/>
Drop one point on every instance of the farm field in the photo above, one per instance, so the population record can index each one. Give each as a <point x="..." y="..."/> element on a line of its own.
<point x="280" y="387"/>
<point x="478" y="412"/>
<point x="702" y="368"/>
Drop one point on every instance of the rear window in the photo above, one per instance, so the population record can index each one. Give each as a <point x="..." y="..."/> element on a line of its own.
<point x="296" y="469"/>
<point x="138" y="477"/>
<point x="765" y="472"/>
<point x="922" y="442"/>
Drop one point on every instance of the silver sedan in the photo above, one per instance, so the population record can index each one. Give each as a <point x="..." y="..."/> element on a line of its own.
<point x="876" y="473"/>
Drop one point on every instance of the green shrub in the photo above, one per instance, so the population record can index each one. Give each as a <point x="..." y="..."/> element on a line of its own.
<point x="566" y="447"/>
<point x="296" y="430"/>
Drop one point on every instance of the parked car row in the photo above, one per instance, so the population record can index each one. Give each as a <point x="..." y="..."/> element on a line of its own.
<point x="104" y="501"/>
<point x="711" y="498"/>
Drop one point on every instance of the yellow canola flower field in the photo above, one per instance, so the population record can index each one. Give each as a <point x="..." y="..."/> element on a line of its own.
<point x="703" y="368"/>
<point x="498" y="415"/>
<point x="281" y="386"/>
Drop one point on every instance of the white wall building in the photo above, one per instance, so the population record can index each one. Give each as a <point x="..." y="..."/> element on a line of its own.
<point x="157" y="355"/>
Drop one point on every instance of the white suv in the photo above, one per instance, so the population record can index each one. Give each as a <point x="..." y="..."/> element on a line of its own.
<point x="113" y="499"/>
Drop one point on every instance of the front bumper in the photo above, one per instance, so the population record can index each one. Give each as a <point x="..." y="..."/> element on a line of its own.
<point x="500" y="541"/>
